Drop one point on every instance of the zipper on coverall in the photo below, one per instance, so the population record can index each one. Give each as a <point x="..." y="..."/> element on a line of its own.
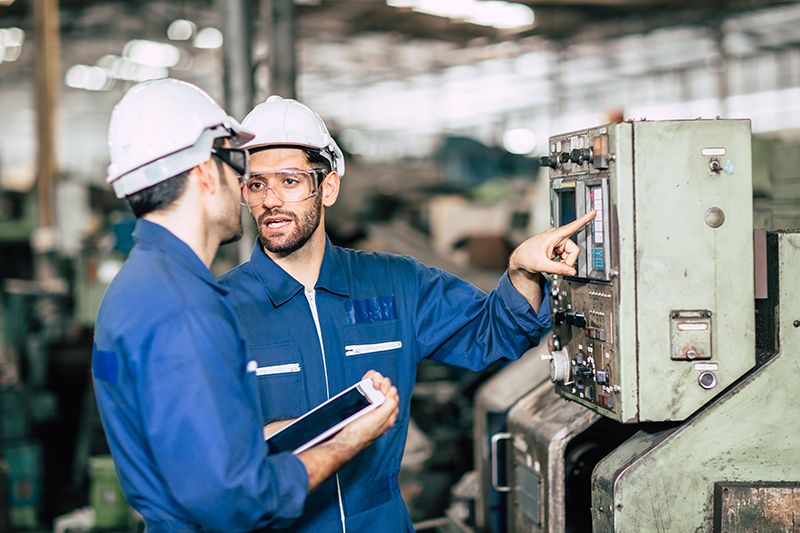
<point x="312" y="303"/>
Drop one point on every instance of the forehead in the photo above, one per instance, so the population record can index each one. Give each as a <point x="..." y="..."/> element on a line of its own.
<point x="277" y="158"/>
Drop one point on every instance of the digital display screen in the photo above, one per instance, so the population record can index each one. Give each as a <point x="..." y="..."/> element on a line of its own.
<point x="317" y="421"/>
<point x="567" y="209"/>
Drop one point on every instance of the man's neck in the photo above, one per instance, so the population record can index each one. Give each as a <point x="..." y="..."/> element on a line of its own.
<point x="193" y="232"/>
<point x="303" y="264"/>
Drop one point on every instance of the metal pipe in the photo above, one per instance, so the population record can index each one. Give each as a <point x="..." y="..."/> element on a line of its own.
<point x="282" y="53"/>
<point x="239" y="85"/>
<point x="237" y="55"/>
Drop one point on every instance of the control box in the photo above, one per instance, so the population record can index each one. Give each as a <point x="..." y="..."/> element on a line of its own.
<point x="660" y="315"/>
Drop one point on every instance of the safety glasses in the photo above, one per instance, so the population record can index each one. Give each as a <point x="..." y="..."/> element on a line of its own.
<point x="288" y="185"/>
<point x="237" y="158"/>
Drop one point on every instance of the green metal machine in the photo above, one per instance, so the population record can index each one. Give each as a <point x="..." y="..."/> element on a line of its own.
<point x="675" y="345"/>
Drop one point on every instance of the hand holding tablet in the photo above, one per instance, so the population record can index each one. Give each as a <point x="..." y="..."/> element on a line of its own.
<point x="327" y="419"/>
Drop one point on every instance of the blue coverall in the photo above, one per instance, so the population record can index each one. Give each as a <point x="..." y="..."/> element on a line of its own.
<point x="179" y="407"/>
<point x="368" y="311"/>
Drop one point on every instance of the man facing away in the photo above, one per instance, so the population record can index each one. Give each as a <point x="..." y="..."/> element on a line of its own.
<point x="318" y="316"/>
<point x="175" y="388"/>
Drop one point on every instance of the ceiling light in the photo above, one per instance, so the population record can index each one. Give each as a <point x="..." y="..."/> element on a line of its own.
<point x="89" y="78"/>
<point x="12" y="37"/>
<point x="495" y="13"/>
<point x="151" y="53"/>
<point x="209" y="38"/>
<point x="519" y="141"/>
<point x="181" y="30"/>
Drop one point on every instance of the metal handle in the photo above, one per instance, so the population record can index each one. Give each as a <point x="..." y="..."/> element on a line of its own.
<point x="493" y="460"/>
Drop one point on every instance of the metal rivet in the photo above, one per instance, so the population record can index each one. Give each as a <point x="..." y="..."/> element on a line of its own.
<point x="715" y="217"/>
<point x="797" y="323"/>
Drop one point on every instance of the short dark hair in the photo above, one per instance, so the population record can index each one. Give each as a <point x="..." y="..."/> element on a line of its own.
<point x="163" y="194"/>
<point x="315" y="159"/>
<point x="158" y="196"/>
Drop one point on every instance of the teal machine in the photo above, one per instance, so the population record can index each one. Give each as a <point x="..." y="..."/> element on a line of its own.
<point x="675" y="346"/>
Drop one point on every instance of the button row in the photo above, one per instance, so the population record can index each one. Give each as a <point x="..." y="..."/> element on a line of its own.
<point x="598" y="294"/>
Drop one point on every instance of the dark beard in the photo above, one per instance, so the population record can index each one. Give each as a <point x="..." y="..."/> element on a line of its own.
<point x="297" y="239"/>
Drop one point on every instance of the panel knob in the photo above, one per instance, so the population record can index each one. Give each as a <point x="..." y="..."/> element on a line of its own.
<point x="549" y="161"/>
<point x="559" y="365"/>
<point x="580" y="155"/>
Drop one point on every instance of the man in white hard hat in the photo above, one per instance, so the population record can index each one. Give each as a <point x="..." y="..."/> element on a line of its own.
<point x="318" y="316"/>
<point x="175" y="388"/>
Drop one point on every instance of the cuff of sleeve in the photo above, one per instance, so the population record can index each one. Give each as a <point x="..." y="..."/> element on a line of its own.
<point x="292" y="478"/>
<point x="530" y="322"/>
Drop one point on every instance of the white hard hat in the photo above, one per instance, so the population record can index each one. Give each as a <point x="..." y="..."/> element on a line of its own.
<point x="280" y="121"/>
<point x="162" y="128"/>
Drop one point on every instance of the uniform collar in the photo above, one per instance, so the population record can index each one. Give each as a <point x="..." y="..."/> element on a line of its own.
<point x="151" y="235"/>
<point x="281" y="287"/>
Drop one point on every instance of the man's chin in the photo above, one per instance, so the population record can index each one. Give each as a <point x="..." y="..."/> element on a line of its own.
<point x="235" y="237"/>
<point x="282" y="246"/>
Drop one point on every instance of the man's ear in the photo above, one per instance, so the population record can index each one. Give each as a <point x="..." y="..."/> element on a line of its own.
<point x="330" y="189"/>
<point x="207" y="176"/>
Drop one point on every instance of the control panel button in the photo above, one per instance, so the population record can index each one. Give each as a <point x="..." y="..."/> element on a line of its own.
<point x="590" y="393"/>
<point x="602" y="377"/>
<point x="584" y="371"/>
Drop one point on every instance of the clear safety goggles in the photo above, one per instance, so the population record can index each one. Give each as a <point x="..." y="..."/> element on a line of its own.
<point x="237" y="158"/>
<point x="288" y="185"/>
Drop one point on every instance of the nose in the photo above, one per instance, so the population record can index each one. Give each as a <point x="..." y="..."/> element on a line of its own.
<point x="271" y="198"/>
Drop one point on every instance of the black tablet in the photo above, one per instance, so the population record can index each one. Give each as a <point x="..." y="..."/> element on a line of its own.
<point x="326" y="419"/>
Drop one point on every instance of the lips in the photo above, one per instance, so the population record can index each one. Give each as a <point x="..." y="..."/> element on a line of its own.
<point x="275" y="222"/>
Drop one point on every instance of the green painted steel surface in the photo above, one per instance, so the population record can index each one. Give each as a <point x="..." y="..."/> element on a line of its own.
<point x="665" y="482"/>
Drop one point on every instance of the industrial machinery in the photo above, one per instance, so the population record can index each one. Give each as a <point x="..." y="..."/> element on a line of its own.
<point x="675" y="345"/>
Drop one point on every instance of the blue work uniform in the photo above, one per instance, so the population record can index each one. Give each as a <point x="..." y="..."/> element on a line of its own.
<point x="368" y="311"/>
<point x="178" y="402"/>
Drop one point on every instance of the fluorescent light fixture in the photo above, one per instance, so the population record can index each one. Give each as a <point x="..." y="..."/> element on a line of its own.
<point x="519" y="141"/>
<point x="208" y="38"/>
<point x="151" y="53"/>
<point x="181" y="30"/>
<point x="495" y="13"/>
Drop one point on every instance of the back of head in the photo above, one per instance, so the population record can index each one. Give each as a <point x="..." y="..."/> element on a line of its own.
<point x="286" y="122"/>
<point x="162" y="129"/>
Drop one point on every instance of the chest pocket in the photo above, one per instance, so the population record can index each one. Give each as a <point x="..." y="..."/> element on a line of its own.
<point x="280" y="381"/>
<point x="374" y="346"/>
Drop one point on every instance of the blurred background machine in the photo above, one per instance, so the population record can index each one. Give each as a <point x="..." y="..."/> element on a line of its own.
<point x="674" y="349"/>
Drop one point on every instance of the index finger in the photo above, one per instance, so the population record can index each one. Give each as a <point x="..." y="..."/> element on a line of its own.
<point x="568" y="229"/>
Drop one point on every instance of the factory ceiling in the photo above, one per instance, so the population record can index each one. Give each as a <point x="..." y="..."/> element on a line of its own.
<point x="337" y="19"/>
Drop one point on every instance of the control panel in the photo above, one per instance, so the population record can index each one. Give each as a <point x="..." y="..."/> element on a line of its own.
<point x="659" y="316"/>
